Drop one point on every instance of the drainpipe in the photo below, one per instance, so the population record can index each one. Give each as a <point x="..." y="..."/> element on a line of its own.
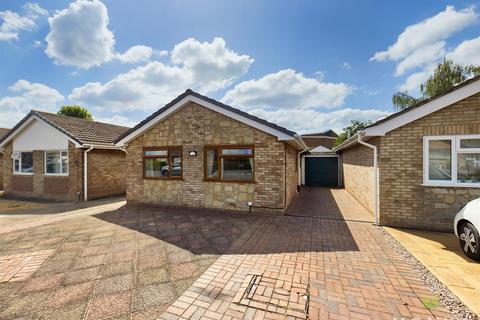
<point x="299" y="159"/>
<point x="376" y="213"/>
<point x="85" y="173"/>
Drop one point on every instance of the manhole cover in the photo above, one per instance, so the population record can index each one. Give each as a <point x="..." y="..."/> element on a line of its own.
<point x="274" y="295"/>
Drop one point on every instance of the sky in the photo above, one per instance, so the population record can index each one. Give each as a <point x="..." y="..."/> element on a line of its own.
<point x="306" y="65"/>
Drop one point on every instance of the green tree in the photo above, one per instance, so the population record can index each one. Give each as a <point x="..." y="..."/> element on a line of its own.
<point x="75" y="111"/>
<point x="353" y="128"/>
<point x="446" y="75"/>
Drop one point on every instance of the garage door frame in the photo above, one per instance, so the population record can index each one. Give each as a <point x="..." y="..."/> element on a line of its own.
<point x="321" y="156"/>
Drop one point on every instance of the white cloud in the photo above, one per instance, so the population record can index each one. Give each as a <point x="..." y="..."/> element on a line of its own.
<point x="27" y="96"/>
<point x="287" y="89"/>
<point x="431" y="30"/>
<point x="303" y="121"/>
<point x="117" y="120"/>
<point x="467" y="52"/>
<point x="346" y="66"/>
<point x="413" y="81"/>
<point x="13" y="23"/>
<point x="212" y="64"/>
<point x="79" y="35"/>
<point x="136" y="54"/>
<point x="162" y="53"/>
<point x="201" y="66"/>
<point x="421" y="57"/>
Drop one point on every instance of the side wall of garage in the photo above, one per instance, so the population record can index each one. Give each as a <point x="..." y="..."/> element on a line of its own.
<point x="358" y="174"/>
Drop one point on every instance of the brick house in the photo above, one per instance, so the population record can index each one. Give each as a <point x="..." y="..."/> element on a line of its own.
<point x="418" y="167"/>
<point x="198" y="152"/>
<point x="3" y="132"/>
<point x="62" y="158"/>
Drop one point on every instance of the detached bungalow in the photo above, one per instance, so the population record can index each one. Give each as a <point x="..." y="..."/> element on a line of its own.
<point x="62" y="158"/>
<point x="418" y="167"/>
<point x="198" y="152"/>
<point x="3" y="132"/>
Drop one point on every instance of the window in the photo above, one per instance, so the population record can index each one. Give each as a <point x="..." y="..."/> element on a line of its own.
<point x="452" y="160"/>
<point x="162" y="163"/>
<point x="229" y="163"/>
<point x="56" y="162"/>
<point x="22" y="162"/>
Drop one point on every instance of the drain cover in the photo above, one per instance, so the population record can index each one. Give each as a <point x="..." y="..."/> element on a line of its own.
<point x="274" y="295"/>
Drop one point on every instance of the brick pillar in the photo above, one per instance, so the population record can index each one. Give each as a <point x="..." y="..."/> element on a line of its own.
<point x="38" y="172"/>
<point x="193" y="135"/>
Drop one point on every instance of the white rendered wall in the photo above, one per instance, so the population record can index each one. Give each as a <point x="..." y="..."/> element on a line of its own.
<point x="39" y="136"/>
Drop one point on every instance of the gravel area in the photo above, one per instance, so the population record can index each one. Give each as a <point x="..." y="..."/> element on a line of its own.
<point x="446" y="297"/>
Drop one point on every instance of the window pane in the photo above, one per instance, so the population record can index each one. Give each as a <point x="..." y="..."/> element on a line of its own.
<point x="242" y="152"/>
<point x="161" y="153"/>
<point x="175" y="163"/>
<point x="212" y="163"/>
<point x="27" y="162"/>
<point x="16" y="165"/>
<point x="440" y="160"/>
<point x="65" y="165"/>
<point x="469" y="143"/>
<point x="237" y="168"/>
<point x="156" y="167"/>
<point x="52" y="159"/>
<point x="468" y="165"/>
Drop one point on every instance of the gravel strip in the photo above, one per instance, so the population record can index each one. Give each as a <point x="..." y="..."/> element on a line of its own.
<point x="446" y="297"/>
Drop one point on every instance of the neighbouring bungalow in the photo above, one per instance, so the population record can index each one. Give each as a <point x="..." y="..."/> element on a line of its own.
<point x="198" y="152"/>
<point x="3" y="132"/>
<point x="62" y="158"/>
<point x="418" y="167"/>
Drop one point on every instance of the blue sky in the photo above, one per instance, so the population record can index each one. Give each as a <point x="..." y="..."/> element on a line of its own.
<point x="306" y="65"/>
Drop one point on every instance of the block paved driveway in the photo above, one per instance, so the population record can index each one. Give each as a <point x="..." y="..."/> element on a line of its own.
<point x="320" y="261"/>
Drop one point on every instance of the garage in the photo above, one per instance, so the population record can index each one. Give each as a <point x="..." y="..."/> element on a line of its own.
<point x="320" y="171"/>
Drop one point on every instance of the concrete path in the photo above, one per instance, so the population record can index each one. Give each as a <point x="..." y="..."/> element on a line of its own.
<point x="312" y="264"/>
<point x="441" y="254"/>
<point x="12" y="221"/>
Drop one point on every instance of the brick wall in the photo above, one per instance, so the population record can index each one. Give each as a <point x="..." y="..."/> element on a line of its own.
<point x="39" y="185"/>
<point x="292" y="173"/>
<point x="1" y="171"/>
<point x="106" y="173"/>
<point x="193" y="127"/>
<point x="403" y="200"/>
<point x="358" y="174"/>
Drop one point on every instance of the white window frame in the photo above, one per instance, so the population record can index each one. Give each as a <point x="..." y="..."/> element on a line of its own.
<point x="20" y="163"/>
<point x="455" y="150"/>
<point x="61" y="165"/>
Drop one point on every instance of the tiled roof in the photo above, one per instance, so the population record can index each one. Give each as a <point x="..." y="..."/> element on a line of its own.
<point x="80" y="130"/>
<point x="215" y="102"/>
<point x="328" y="133"/>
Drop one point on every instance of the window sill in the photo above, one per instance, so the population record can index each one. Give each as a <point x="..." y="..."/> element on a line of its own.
<point x="230" y="181"/>
<point x="22" y="174"/>
<point x="163" y="179"/>
<point x="451" y="185"/>
<point x="55" y="175"/>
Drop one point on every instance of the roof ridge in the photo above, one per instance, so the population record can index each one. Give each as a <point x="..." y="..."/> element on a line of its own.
<point x="79" y="119"/>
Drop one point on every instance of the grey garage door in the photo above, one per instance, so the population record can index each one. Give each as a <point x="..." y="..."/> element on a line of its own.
<point x="321" y="171"/>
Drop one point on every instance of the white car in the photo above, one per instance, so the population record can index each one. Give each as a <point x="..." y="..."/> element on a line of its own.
<point x="466" y="226"/>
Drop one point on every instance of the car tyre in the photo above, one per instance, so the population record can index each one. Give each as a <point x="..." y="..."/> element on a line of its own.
<point x="469" y="240"/>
